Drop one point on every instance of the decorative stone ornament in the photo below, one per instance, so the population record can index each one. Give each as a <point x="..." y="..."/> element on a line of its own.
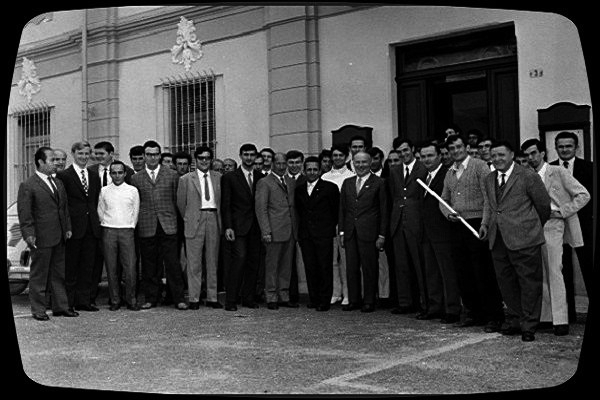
<point x="187" y="50"/>
<point x="29" y="83"/>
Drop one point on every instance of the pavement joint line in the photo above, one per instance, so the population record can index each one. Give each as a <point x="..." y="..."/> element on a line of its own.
<point x="343" y="380"/>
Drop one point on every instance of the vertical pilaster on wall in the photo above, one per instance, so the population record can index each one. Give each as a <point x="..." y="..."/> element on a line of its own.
<point x="294" y="83"/>
<point x="103" y="76"/>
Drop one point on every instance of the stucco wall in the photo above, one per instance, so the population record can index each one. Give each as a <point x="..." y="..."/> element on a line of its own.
<point x="62" y="22"/>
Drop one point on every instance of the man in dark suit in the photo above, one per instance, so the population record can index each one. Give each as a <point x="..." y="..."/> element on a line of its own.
<point x="241" y="230"/>
<point x="277" y="219"/>
<point x="295" y="159"/>
<point x="362" y="226"/>
<point x="443" y="296"/>
<point x="566" y="144"/>
<point x="83" y="188"/>
<point x="317" y="203"/>
<point x="406" y="228"/>
<point x="516" y="210"/>
<point x="157" y="227"/>
<point x="45" y="224"/>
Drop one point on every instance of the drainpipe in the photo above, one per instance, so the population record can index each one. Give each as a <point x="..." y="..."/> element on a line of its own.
<point x="84" y="78"/>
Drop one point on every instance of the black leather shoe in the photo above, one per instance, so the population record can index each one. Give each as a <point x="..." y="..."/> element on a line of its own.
<point x="214" y="304"/>
<point x="465" y="323"/>
<point x="450" y="319"/>
<point x="66" y="313"/>
<point x="288" y="304"/>
<point x="426" y="316"/>
<point x="194" y="305"/>
<point x="41" y="317"/>
<point x="114" y="307"/>
<point x="272" y="306"/>
<point x="350" y="307"/>
<point x="324" y="307"/>
<point x="249" y="304"/>
<point x="135" y="307"/>
<point x="230" y="307"/>
<point x="546" y="325"/>
<point x="403" y="310"/>
<point x="367" y="308"/>
<point x="90" y="307"/>
<point x="492" y="326"/>
<point x="509" y="330"/>
<point x="561" y="330"/>
<point x="527" y="336"/>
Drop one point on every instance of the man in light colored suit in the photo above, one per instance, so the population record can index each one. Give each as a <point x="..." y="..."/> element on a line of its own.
<point x="567" y="197"/>
<point x="199" y="202"/>
<point x="277" y="220"/>
<point x="515" y="212"/>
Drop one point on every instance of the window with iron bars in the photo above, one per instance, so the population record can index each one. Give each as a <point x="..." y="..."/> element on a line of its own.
<point x="31" y="127"/>
<point x="190" y="110"/>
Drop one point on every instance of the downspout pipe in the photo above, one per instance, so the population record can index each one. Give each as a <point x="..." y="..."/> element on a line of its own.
<point x="84" y="77"/>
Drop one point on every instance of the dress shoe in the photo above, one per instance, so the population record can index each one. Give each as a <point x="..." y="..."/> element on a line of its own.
<point x="335" y="300"/>
<point x="323" y="307"/>
<point x="248" y="304"/>
<point x="450" y="319"/>
<point x="134" y="307"/>
<point x="350" y="307"/>
<point x="426" y="316"/>
<point x="114" y="307"/>
<point x="194" y="305"/>
<point x="492" y="326"/>
<point x="66" y="313"/>
<point x="272" y="306"/>
<point x="527" y="336"/>
<point x="83" y="307"/>
<point x="293" y="304"/>
<point x="214" y="304"/>
<point x="367" y="308"/>
<point x="288" y="304"/>
<point x="465" y="323"/>
<point x="230" y="307"/>
<point x="182" y="306"/>
<point x="41" y="317"/>
<point x="561" y="330"/>
<point x="402" y="310"/>
<point x="509" y="330"/>
<point x="148" y="305"/>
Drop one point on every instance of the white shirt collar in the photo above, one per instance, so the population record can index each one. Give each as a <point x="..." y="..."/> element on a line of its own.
<point x="201" y="174"/>
<point x="542" y="171"/>
<point x="42" y="175"/>
<point x="149" y="171"/>
<point x="364" y="178"/>
<point x="410" y="165"/>
<point x="78" y="169"/>
<point x="435" y="171"/>
<point x="507" y="173"/>
<point x="312" y="184"/>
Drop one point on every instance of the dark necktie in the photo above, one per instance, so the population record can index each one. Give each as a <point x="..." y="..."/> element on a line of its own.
<point x="500" y="188"/>
<point x="152" y="176"/>
<point x="427" y="182"/>
<point x="283" y="183"/>
<point x="407" y="173"/>
<point x="206" y="192"/>
<point x="502" y="180"/>
<point x="250" y="180"/>
<point x="84" y="180"/>
<point x="566" y="164"/>
<point x="358" y="184"/>
<point x="104" y="178"/>
<point x="54" y="188"/>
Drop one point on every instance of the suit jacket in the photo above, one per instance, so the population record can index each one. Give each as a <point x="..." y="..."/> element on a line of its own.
<point x="41" y="213"/>
<point x="570" y="196"/>
<point x="364" y="213"/>
<point x="406" y="197"/>
<point x="317" y="213"/>
<point x="189" y="201"/>
<point x="521" y="211"/>
<point x="237" y="204"/>
<point x="583" y="171"/>
<point x="82" y="206"/>
<point x="129" y="172"/>
<point x="158" y="201"/>
<point x="275" y="208"/>
<point x="436" y="226"/>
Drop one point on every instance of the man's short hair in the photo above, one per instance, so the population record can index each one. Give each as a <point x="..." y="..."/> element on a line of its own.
<point x="117" y="162"/>
<point x="294" y="154"/>
<point x="566" y="135"/>
<point x="151" y="143"/>
<point x="399" y="141"/>
<point x="504" y="143"/>
<point x="137" y="150"/>
<point x="314" y="159"/>
<point x="247" y="147"/>
<point x="373" y="151"/>
<point x="40" y="154"/>
<point x="453" y="138"/>
<point x="485" y="139"/>
<point x="202" y="149"/>
<point x="164" y="155"/>
<point x="324" y="153"/>
<point x="433" y="143"/>
<point x="182" y="154"/>
<point x="341" y="148"/>
<point x="80" y="145"/>
<point x="268" y="150"/>
<point x="533" y="142"/>
<point x="106" y="146"/>
<point x="357" y="137"/>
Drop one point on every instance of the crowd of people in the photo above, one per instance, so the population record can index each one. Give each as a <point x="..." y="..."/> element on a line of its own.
<point x="464" y="230"/>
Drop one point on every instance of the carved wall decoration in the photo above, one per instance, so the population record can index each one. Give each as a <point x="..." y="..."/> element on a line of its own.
<point x="29" y="83"/>
<point x="188" y="48"/>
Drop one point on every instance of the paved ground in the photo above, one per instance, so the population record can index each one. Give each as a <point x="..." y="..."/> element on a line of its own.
<point x="289" y="351"/>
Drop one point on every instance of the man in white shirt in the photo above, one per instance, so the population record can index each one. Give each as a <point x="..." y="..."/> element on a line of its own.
<point x="118" y="208"/>
<point x="339" y="172"/>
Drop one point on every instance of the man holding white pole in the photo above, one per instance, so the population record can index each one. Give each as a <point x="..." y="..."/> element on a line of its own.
<point x="464" y="191"/>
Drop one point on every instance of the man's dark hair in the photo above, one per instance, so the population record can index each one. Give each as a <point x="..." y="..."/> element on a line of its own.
<point x="520" y="153"/>
<point x="106" y="146"/>
<point x="475" y="132"/>
<point x="182" y="154"/>
<point x="40" y="154"/>
<point x="399" y="141"/>
<point x="117" y="162"/>
<point x="504" y="143"/>
<point x="566" y="135"/>
<point x="433" y="143"/>
<point x="151" y="143"/>
<point x="373" y="151"/>
<point x="485" y="139"/>
<point x="454" y="127"/>
<point x="324" y="153"/>
<point x="294" y="154"/>
<point x="341" y="148"/>
<point x="453" y="138"/>
<point x="136" y="151"/>
<point x="533" y="142"/>
<point x="166" y="154"/>
<point x="268" y="150"/>
<point x="357" y="137"/>
<point x="247" y="147"/>
<point x="202" y="149"/>
<point x="314" y="159"/>
<point x="443" y="145"/>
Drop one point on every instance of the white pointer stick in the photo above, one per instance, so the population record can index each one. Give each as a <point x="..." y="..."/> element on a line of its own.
<point x="434" y="194"/>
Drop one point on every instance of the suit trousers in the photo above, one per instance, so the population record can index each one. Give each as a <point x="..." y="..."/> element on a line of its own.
<point x="47" y="271"/>
<point x="519" y="274"/>
<point x="79" y="268"/>
<point x="410" y="274"/>
<point x="97" y="270"/>
<point x="317" y="254"/>
<point x="242" y="271"/>
<point x="206" y="241"/>
<point x="278" y="270"/>
<point x="442" y="283"/>
<point x="154" y="249"/>
<point x="340" y="284"/>
<point x="554" y="294"/>
<point x="361" y="256"/>
<point x="119" y="244"/>
<point x="475" y="272"/>
<point x="383" y="285"/>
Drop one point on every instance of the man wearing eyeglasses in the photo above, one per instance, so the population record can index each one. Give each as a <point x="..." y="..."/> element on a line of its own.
<point x="157" y="227"/>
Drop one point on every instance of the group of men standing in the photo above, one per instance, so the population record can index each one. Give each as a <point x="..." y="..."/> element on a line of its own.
<point x="457" y="241"/>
